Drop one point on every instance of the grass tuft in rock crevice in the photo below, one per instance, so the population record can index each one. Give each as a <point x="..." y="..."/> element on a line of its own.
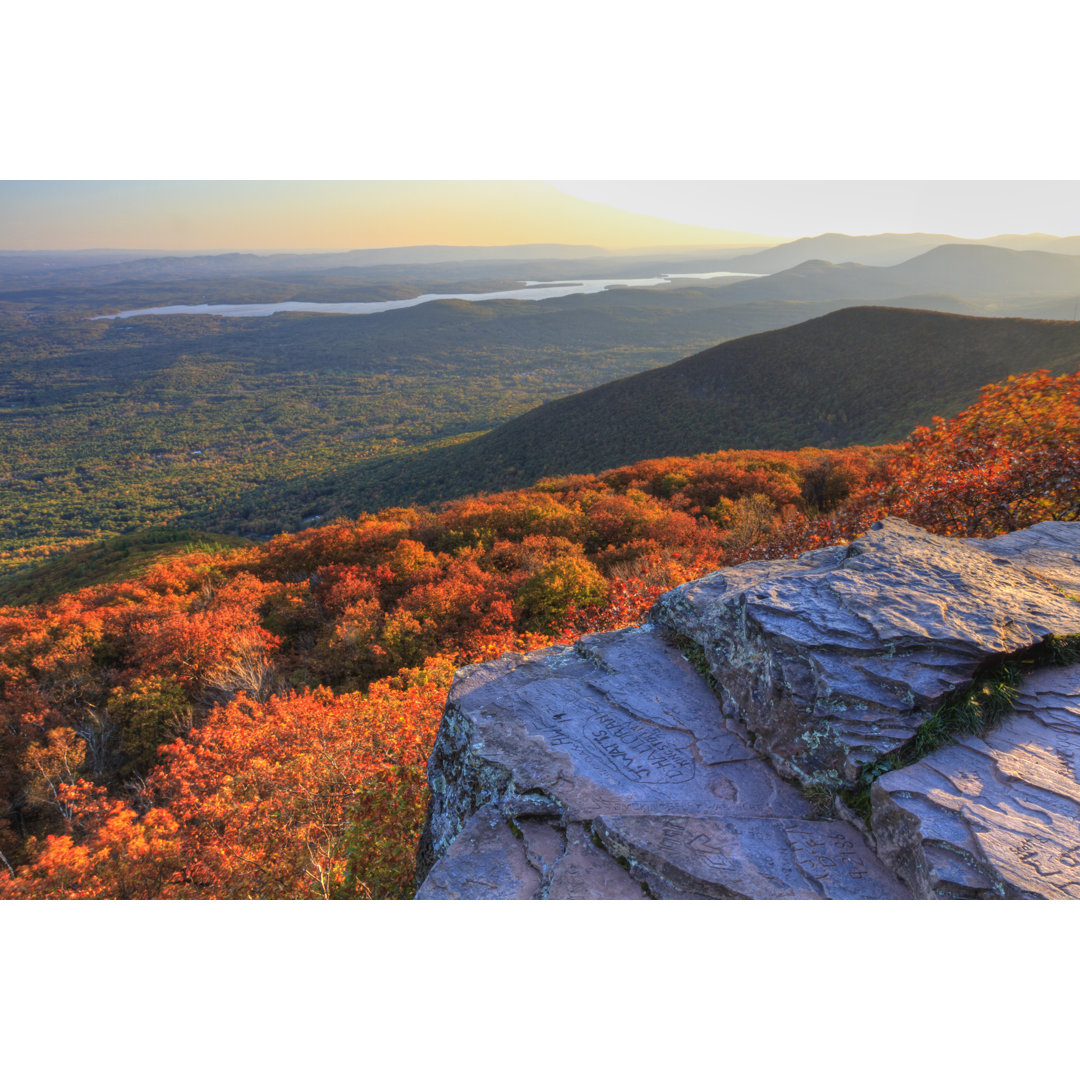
<point x="975" y="710"/>
<point x="695" y="654"/>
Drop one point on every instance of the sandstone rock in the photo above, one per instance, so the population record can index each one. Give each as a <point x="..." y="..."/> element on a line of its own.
<point x="493" y="860"/>
<point x="1050" y="550"/>
<point x="836" y="658"/>
<point x="752" y="858"/>
<point x="485" y="862"/>
<point x="997" y="816"/>
<point x="610" y="740"/>
<point x="586" y="872"/>
<point x="612" y="770"/>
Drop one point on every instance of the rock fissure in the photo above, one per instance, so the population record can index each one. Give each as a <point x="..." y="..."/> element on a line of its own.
<point x="979" y="707"/>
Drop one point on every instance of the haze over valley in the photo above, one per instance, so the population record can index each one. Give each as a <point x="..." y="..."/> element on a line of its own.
<point x="115" y="420"/>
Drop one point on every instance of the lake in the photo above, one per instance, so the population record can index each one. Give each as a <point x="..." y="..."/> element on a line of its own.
<point x="530" y="290"/>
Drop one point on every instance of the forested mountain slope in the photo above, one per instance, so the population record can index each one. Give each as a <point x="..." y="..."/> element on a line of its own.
<point x="861" y="375"/>
<point x="110" y="426"/>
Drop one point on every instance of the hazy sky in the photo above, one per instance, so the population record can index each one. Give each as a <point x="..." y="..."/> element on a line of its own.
<point x="321" y="215"/>
<point x="262" y="215"/>
<point x="970" y="208"/>
<point x="789" y="118"/>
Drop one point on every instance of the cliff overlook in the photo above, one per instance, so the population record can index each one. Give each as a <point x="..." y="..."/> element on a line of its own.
<point x="891" y="718"/>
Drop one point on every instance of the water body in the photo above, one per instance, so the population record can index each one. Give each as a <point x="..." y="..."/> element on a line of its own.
<point x="532" y="290"/>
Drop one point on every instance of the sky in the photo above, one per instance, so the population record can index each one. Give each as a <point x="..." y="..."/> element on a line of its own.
<point x="780" y="118"/>
<point x="974" y="208"/>
<point x="342" y="215"/>
<point x="322" y="215"/>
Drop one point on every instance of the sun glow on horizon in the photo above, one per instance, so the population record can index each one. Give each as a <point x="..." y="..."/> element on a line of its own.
<point x="322" y="215"/>
<point x="339" y="215"/>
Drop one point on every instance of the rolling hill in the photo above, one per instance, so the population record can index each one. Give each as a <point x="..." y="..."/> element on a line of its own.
<point x="965" y="270"/>
<point x="885" y="249"/>
<point x="860" y="375"/>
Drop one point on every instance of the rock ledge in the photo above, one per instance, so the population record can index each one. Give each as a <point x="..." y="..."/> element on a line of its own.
<point x="612" y="770"/>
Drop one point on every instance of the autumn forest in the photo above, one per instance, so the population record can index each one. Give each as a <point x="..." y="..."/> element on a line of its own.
<point x="253" y="721"/>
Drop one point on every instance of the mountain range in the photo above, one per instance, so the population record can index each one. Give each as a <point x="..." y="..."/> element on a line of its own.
<point x="425" y="267"/>
<point x="384" y="409"/>
<point x="885" y="249"/>
<point x="964" y="270"/>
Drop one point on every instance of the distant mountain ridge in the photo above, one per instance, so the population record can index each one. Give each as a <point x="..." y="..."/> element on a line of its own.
<point x="101" y="266"/>
<point x="509" y="263"/>
<point x="841" y="266"/>
<point x="965" y="270"/>
<point x="886" y="249"/>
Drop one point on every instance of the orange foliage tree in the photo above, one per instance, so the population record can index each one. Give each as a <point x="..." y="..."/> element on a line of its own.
<point x="287" y="798"/>
<point x="1009" y="461"/>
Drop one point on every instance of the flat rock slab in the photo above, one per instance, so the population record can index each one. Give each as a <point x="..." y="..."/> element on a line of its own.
<point x="1050" y="550"/>
<point x="587" y="872"/>
<point x="997" y="816"/>
<point x="534" y="750"/>
<point x="836" y="658"/>
<point x="752" y="858"/>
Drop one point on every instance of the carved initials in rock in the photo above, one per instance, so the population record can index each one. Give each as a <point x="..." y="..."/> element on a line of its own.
<point x="1067" y="758"/>
<point x="710" y="854"/>
<point x="634" y="748"/>
<point x="1048" y="863"/>
<point x="673" y="839"/>
<point x="820" y="857"/>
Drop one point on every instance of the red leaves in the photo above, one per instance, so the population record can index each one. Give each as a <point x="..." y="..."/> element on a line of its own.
<point x="265" y="800"/>
<point x="627" y="605"/>
<point x="317" y="793"/>
<point x="1010" y="460"/>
